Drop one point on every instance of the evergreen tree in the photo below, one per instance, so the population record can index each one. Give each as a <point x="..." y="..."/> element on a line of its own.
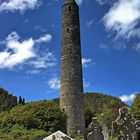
<point x="23" y="101"/>
<point x="20" y="100"/>
<point x="7" y="101"/>
<point x="135" y="107"/>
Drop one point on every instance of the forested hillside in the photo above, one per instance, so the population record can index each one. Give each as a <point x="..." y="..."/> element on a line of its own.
<point x="32" y="121"/>
<point x="7" y="100"/>
<point x="103" y="106"/>
<point x="135" y="107"/>
<point x="35" y="120"/>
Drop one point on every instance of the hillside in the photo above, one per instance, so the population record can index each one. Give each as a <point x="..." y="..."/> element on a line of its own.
<point x="36" y="120"/>
<point x="31" y="121"/>
<point x="105" y="107"/>
<point x="7" y="100"/>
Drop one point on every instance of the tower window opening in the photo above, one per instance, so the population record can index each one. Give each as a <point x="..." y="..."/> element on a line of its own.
<point x="70" y="8"/>
<point x="68" y="29"/>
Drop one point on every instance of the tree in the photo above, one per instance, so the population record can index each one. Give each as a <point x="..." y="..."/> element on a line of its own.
<point x="89" y="113"/>
<point x="135" y="107"/>
<point x="7" y="101"/>
<point x="97" y="104"/>
<point x="23" y="101"/>
<point x="32" y="121"/>
<point x="45" y="115"/>
<point x="20" y="100"/>
<point x="105" y="107"/>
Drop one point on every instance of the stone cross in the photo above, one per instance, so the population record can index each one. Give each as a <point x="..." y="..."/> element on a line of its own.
<point x="95" y="130"/>
<point x="125" y="125"/>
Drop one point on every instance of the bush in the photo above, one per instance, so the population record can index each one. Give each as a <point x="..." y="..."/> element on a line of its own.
<point x="45" y="115"/>
<point x="32" y="121"/>
<point x="135" y="107"/>
<point x="19" y="132"/>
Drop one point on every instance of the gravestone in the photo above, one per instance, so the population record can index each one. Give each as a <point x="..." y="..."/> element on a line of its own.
<point x="95" y="136"/>
<point x="58" y="136"/>
<point x="95" y="130"/>
<point x="106" y="133"/>
<point x="138" y="135"/>
<point x="125" y="126"/>
<point x="137" y="125"/>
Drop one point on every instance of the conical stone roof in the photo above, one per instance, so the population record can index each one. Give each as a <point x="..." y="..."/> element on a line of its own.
<point x="70" y="1"/>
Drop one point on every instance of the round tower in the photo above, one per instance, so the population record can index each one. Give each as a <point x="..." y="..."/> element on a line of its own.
<point x="71" y="83"/>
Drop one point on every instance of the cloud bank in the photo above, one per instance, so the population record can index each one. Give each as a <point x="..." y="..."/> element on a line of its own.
<point x="18" y="5"/>
<point x="79" y="2"/>
<point x="19" y="51"/>
<point x="86" y="62"/>
<point x="123" y="18"/>
<point x="54" y="83"/>
<point x="128" y="98"/>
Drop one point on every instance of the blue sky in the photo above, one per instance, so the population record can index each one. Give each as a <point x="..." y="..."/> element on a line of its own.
<point x="30" y="43"/>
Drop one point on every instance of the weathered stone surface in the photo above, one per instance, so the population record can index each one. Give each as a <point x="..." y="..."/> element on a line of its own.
<point x="106" y="133"/>
<point x="95" y="130"/>
<point x="125" y="126"/>
<point x="95" y="136"/>
<point x="71" y="85"/>
<point x="58" y="136"/>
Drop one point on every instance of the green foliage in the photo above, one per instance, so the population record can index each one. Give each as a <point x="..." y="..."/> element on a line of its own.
<point x="89" y="113"/>
<point x="135" y="107"/>
<point x="114" y="138"/>
<point x="45" y="115"/>
<point x="35" y="120"/>
<point x="7" y="101"/>
<point x="21" y="101"/>
<point x="32" y="121"/>
<point x="6" y="121"/>
<point x="79" y="138"/>
<point x="17" y="132"/>
<point x="105" y="107"/>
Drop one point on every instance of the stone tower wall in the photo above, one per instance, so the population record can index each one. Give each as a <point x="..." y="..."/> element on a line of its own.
<point x="71" y="86"/>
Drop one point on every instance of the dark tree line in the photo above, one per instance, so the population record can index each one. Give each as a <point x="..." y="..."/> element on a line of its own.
<point x="21" y="101"/>
<point x="8" y="101"/>
<point x="103" y="106"/>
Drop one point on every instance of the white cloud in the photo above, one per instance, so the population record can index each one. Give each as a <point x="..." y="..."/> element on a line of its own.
<point x="86" y="84"/>
<point x="45" y="61"/>
<point x="137" y="47"/>
<point x="18" y="52"/>
<point x="89" y="23"/>
<point x="123" y="17"/>
<point x="79" y="2"/>
<point x="54" y="83"/>
<point x="86" y="62"/>
<point x="115" y="45"/>
<point x="102" y="2"/>
<point x="33" y="72"/>
<point x="40" y="28"/>
<point x="45" y="38"/>
<point x="128" y="98"/>
<point x="18" y="5"/>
